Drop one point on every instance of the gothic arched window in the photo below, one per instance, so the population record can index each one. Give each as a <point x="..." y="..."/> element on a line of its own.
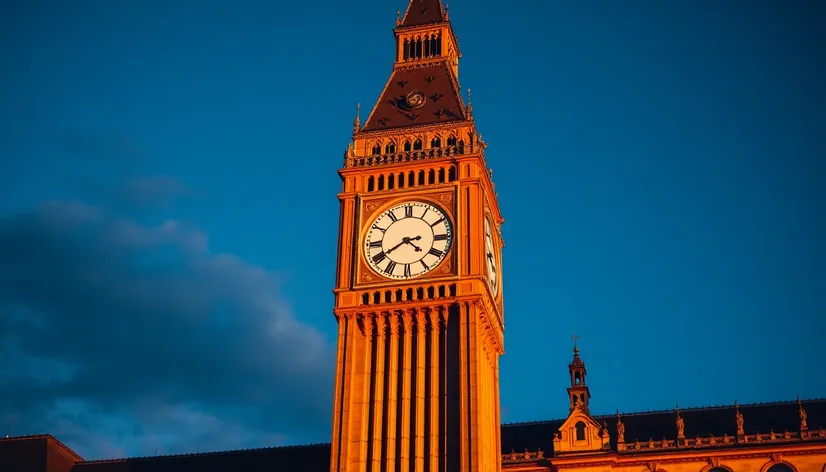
<point x="390" y="148"/>
<point x="417" y="146"/>
<point x="435" y="142"/>
<point x="407" y="146"/>
<point x="376" y="149"/>
<point x="780" y="468"/>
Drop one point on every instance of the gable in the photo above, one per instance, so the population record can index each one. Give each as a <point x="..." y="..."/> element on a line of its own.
<point x="580" y="433"/>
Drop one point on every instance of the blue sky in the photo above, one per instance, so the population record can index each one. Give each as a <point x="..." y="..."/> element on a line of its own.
<point x="660" y="168"/>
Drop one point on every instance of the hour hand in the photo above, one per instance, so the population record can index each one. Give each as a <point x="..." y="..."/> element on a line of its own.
<point x="416" y="248"/>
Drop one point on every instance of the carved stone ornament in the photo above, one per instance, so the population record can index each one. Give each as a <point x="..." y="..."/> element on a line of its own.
<point x="367" y="277"/>
<point x="445" y="267"/>
<point x="713" y="461"/>
<point x="652" y="466"/>
<point x="371" y="206"/>
<point x="776" y="457"/>
<point x="739" y="419"/>
<point x="446" y="198"/>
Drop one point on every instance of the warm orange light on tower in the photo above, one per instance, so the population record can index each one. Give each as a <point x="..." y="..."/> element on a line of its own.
<point x="418" y="288"/>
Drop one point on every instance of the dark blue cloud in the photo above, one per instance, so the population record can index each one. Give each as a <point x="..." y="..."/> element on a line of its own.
<point x="121" y="337"/>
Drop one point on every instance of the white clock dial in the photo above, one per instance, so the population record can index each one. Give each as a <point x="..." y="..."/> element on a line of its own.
<point x="490" y="257"/>
<point x="408" y="240"/>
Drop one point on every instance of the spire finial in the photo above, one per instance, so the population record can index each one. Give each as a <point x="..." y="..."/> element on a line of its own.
<point x="398" y="17"/>
<point x="357" y="121"/>
<point x="469" y="107"/>
<point x="575" y="338"/>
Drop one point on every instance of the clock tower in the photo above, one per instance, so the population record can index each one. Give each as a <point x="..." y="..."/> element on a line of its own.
<point x="418" y="295"/>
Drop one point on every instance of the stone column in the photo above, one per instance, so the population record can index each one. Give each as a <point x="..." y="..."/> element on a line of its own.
<point x="421" y="344"/>
<point x="378" y="389"/>
<point x="435" y="326"/>
<point x="406" y="391"/>
<point x="392" y="391"/>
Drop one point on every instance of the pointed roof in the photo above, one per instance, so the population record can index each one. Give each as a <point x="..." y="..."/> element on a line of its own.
<point x="422" y="12"/>
<point x="577" y="361"/>
<point x="439" y="100"/>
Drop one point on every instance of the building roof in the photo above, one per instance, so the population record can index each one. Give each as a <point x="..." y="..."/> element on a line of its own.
<point x="436" y="84"/>
<point x="656" y="425"/>
<point x="311" y="458"/>
<point x="47" y="439"/>
<point x="422" y="12"/>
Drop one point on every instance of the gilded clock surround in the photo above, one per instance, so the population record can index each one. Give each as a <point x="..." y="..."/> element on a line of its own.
<point x="374" y="205"/>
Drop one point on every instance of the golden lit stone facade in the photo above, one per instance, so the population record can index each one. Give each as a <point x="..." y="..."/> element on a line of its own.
<point x="712" y="439"/>
<point x="418" y="292"/>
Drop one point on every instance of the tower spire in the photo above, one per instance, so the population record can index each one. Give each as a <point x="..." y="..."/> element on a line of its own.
<point x="578" y="392"/>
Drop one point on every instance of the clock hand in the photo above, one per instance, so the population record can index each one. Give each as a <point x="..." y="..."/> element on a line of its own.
<point x="417" y="248"/>
<point x="396" y="246"/>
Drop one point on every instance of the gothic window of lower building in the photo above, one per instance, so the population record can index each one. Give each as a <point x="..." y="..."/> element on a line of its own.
<point x="580" y="431"/>
<point x="435" y="142"/>
<point x="451" y="141"/>
<point x="417" y="145"/>
<point x="376" y="149"/>
<point x="390" y="148"/>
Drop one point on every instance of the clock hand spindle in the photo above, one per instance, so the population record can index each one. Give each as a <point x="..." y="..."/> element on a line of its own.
<point x="416" y="248"/>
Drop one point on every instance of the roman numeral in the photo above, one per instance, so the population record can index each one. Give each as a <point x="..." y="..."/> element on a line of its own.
<point x="437" y="222"/>
<point x="408" y="211"/>
<point x="407" y="270"/>
<point x="392" y="216"/>
<point x="379" y="228"/>
<point x="425" y="212"/>
<point x="379" y="257"/>
<point x="435" y="252"/>
<point x="390" y="266"/>
<point x="375" y="244"/>
<point x="440" y="237"/>
<point x="423" y="264"/>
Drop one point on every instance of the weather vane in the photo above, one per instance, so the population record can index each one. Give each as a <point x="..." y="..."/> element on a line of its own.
<point x="575" y="338"/>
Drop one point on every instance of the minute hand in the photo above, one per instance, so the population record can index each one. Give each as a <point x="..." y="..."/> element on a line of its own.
<point x="405" y="240"/>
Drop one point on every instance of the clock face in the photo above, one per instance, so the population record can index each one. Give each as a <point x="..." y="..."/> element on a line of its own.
<point x="408" y="240"/>
<point x="490" y="258"/>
